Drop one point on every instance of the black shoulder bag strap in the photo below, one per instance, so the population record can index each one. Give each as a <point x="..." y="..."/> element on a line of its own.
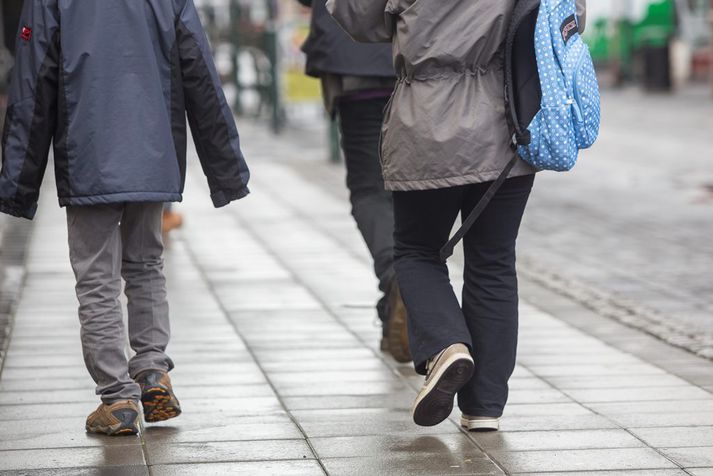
<point x="521" y="136"/>
<point x="447" y="250"/>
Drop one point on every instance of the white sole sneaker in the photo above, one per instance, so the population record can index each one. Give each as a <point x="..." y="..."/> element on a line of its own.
<point x="480" y="424"/>
<point x="435" y="400"/>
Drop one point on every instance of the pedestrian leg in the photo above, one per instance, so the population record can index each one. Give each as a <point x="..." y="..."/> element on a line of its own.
<point x="423" y="222"/>
<point x="490" y="295"/>
<point x="142" y="269"/>
<point x="95" y="254"/>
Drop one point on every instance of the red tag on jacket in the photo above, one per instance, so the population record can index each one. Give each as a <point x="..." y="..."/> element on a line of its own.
<point x="26" y="33"/>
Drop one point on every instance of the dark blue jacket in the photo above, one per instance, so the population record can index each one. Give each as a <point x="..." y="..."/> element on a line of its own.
<point x="109" y="83"/>
<point x="330" y="50"/>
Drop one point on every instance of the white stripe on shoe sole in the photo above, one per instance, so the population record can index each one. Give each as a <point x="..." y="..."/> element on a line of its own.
<point x="481" y="424"/>
<point x="435" y="401"/>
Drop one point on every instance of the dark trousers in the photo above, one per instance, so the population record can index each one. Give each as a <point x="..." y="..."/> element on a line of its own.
<point x="488" y="320"/>
<point x="372" y="206"/>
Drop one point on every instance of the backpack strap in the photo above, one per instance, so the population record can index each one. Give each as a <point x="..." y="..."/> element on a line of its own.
<point x="522" y="12"/>
<point x="447" y="250"/>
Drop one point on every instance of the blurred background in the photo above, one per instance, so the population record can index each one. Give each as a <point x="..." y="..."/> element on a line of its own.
<point x="627" y="233"/>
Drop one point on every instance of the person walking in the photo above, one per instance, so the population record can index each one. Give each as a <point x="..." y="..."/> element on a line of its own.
<point x="357" y="81"/>
<point x="111" y="86"/>
<point x="445" y="140"/>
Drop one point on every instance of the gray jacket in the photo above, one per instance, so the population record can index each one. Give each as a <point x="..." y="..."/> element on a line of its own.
<point x="446" y="125"/>
<point x="110" y="83"/>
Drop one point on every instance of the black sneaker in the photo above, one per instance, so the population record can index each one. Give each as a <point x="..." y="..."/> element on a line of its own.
<point x="157" y="396"/>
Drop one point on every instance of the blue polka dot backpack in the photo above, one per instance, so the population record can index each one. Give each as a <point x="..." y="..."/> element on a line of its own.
<point x="551" y="93"/>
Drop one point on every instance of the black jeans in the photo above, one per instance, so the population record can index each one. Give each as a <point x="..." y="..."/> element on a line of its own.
<point x="372" y="206"/>
<point x="488" y="319"/>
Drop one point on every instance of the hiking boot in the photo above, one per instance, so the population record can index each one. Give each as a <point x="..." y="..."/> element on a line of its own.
<point x="120" y="418"/>
<point x="397" y="326"/>
<point x="476" y="423"/>
<point x="157" y="396"/>
<point x="447" y="373"/>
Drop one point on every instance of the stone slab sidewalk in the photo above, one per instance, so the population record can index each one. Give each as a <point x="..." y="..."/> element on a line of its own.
<point x="279" y="372"/>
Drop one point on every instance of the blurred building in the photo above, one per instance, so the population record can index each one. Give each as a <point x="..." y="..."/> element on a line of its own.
<point x="658" y="42"/>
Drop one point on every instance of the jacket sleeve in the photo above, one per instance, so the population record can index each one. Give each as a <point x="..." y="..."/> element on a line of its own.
<point x="365" y="20"/>
<point x="582" y="15"/>
<point x="211" y="119"/>
<point x="30" y="119"/>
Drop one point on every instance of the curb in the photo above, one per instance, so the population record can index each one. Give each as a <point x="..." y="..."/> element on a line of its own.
<point x="628" y="313"/>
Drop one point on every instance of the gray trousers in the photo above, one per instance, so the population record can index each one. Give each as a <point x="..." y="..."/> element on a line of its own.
<point x="106" y="243"/>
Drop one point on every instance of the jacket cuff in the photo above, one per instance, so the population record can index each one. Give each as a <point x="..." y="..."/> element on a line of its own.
<point x="223" y="197"/>
<point x="15" y="210"/>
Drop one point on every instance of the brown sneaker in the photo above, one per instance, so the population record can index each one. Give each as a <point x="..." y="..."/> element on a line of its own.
<point x="157" y="396"/>
<point x="397" y="326"/>
<point x="448" y="372"/>
<point x="120" y="418"/>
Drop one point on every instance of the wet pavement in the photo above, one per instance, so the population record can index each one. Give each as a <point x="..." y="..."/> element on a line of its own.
<point x="279" y="372"/>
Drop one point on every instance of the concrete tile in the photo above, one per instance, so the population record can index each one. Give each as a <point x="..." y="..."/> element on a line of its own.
<point x="298" y="365"/>
<point x="291" y="378"/>
<point x="676" y="437"/>
<point x="543" y="409"/>
<point x="226" y="451"/>
<point x="35" y="384"/>
<point x="616" y="382"/>
<point x="120" y="455"/>
<point x="256" y="468"/>
<point x="595" y="369"/>
<point x="549" y="423"/>
<point x="638" y="394"/>
<point x="630" y="472"/>
<point x="396" y="400"/>
<point x="700" y="471"/>
<point x="685" y="406"/>
<point x="52" y="433"/>
<point x="556" y="440"/>
<point x="548" y="395"/>
<point x="57" y="396"/>
<point x="403" y="445"/>
<point x="198" y="428"/>
<point x="696" y="457"/>
<point x="581" y="460"/>
<point x="647" y="420"/>
<point x="340" y="388"/>
<point x="428" y="464"/>
<point x="364" y="422"/>
<point x="124" y="470"/>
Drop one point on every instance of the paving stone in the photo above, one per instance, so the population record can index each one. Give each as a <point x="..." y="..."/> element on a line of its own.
<point x="676" y="437"/>
<point x="648" y="420"/>
<point x="198" y="428"/>
<point x="696" y="457"/>
<point x="678" y="394"/>
<point x="556" y="440"/>
<point x="405" y="445"/>
<point x="616" y="382"/>
<point x="120" y="455"/>
<point x="672" y="406"/>
<point x="401" y="399"/>
<point x="52" y="433"/>
<point x="124" y="470"/>
<point x="581" y="460"/>
<point x="217" y="452"/>
<point x="700" y="471"/>
<point x="630" y="472"/>
<point x="540" y="409"/>
<point x="443" y="464"/>
<point x="257" y="468"/>
<point x="364" y="422"/>
<point x="550" y="423"/>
